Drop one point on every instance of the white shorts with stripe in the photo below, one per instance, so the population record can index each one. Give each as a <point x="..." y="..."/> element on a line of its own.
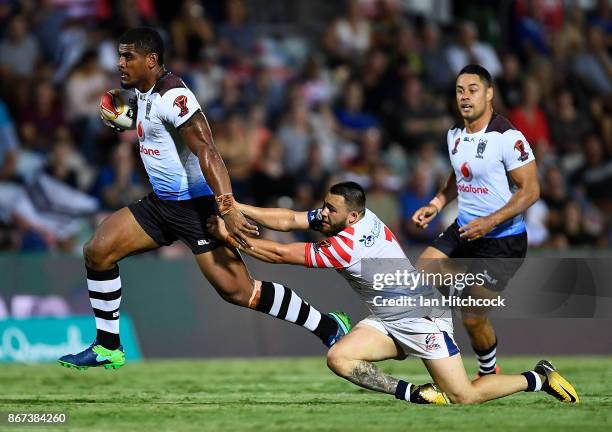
<point x="427" y="338"/>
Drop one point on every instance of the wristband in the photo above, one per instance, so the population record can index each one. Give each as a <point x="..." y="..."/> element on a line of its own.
<point x="225" y="203"/>
<point x="437" y="204"/>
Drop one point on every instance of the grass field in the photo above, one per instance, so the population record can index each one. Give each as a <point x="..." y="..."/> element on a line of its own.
<point x="286" y="395"/>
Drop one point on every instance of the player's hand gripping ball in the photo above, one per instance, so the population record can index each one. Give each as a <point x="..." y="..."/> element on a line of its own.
<point x="118" y="109"/>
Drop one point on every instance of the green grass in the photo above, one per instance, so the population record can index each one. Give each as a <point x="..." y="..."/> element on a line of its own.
<point x="286" y="395"/>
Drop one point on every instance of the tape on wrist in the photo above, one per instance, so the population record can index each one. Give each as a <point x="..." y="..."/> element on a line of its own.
<point x="437" y="204"/>
<point x="225" y="203"/>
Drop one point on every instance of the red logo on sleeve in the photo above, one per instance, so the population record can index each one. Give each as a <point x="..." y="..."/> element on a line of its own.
<point x="457" y="141"/>
<point x="181" y="102"/>
<point x="520" y="147"/>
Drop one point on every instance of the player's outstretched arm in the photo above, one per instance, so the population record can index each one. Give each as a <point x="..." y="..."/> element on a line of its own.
<point x="278" y="219"/>
<point x="427" y="213"/>
<point x="264" y="250"/>
<point x="198" y="136"/>
<point x="528" y="192"/>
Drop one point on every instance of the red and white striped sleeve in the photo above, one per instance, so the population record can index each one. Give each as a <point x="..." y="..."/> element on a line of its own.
<point x="333" y="252"/>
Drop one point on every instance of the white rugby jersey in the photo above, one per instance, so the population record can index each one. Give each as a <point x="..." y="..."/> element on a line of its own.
<point x="481" y="162"/>
<point x="367" y="239"/>
<point x="174" y="171"/>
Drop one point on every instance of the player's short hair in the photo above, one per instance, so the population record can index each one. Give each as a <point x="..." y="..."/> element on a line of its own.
<point x="145" y="39"/>
<point x="475" y="69"/>
<point x="353" y="194"/>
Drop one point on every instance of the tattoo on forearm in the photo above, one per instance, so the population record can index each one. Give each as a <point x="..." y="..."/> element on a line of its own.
<point x="367" y="375"/>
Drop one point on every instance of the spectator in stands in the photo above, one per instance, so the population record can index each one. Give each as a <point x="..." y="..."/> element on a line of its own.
<point x="531" y="119"/>
<point x="191" y="32"/>
<point x="381" y="199"/>
<point x="236" y="35"/>
<point x="569" y="126"/>
<point x="418" y="193"/>
<point x="19" y="51"/>
<point x="47" y="23"/>
<point x="352" y="33"/>
<point x="595" y="175"/>
<point x="575" y="232"/>
<point x="554" y="195"/>
<point x="436" y="70"/>
<point x="119" y="183"/>
<point x="509" y="84"/>
<point x="44" y="113"/>
<point x="417" y="117"/>
<point x="593" y="65"/>
<point x="352" y="118"/>
<point x="295" y="135"/>
<point x="9" y="145"/>
<point x="531" y="33"/>
<point x="378" y="84"/>
<point x="470" y="50"/>
<point x="314" y="174"/>
<point x="84" y="88"/>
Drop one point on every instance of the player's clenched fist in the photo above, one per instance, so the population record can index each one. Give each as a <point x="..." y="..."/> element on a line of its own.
<point x="424" y="215"/>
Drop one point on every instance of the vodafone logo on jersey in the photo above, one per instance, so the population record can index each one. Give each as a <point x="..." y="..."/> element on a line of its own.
<point x="141" y="136"/>
<point x="149" y="151"/>
<point x="466" y="172"/>
<point x="140" y="132"/>
<point x="467" y="175"/>
<point x="472" y="189"/>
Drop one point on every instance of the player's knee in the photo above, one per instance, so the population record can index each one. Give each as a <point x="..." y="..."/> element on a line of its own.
<point x="474" y="322"/>
<point x="99" y="254"/>
<point x="338" y="362"/>
<point x="463" y="397"/>
<point x="234" y="295"/>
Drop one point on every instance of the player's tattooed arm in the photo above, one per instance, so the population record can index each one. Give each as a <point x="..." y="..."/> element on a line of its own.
<point x="528" y="192"/>
<point x="278" y="219"/>
<point x="367" y="375"/>
<point x="198" y="136"/>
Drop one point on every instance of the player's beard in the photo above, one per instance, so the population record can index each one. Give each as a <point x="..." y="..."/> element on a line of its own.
<point x="333" y="230"/>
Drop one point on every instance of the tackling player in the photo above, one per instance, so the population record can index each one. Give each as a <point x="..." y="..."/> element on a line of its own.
<point x="190" y="183"/>
<point x="356" y="234"/>
<point x="494" y="178"/>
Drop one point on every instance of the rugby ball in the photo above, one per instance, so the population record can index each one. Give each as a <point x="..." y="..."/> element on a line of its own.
<point x="118" y="106"/>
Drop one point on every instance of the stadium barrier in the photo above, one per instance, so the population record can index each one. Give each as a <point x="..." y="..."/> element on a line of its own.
<point x="176" y="312"/>
<point x="41" y="340"/>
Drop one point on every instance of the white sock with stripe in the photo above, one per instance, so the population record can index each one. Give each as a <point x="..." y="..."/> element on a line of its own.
<point x="487" y="360"/>
<point x="105" y="298"/>
<point x="534" y="382"/>
<point x="403" y="389"/>
<point x="283" y="303"/>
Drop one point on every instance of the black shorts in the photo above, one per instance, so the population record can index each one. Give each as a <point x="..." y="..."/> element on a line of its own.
<point x="167" y="221"/>
<point x="499" y="257"/>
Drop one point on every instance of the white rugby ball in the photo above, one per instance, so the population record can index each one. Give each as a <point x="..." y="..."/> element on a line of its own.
<point x="118" y="106"/>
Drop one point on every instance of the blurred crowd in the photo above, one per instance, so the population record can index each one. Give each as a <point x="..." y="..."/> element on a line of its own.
<point x="369" y="98"/>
